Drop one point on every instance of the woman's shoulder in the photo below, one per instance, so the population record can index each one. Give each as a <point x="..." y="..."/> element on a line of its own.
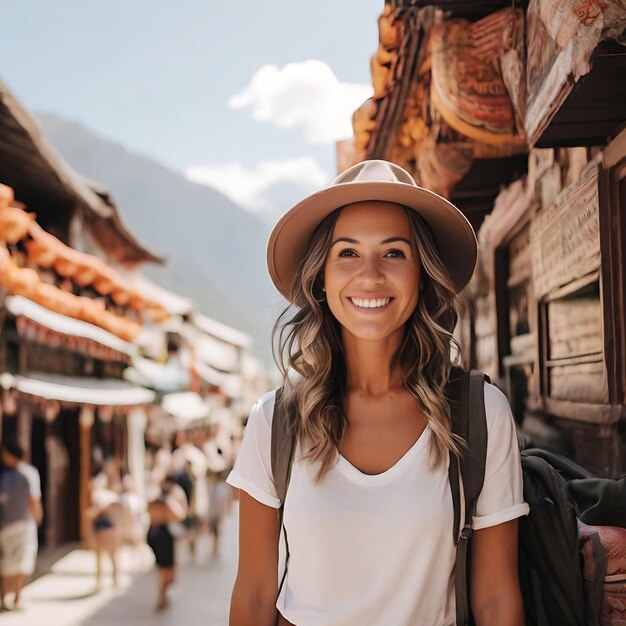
<point x="495" y="399"/>
<point x="500" y="422"/>
<point x="263" y="409"/>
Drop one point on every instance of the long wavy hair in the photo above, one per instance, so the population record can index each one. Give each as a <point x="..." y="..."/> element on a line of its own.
<point x="306" y="338"/>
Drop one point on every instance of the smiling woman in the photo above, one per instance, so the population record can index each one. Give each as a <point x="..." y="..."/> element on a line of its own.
<point x="374" y="265"/>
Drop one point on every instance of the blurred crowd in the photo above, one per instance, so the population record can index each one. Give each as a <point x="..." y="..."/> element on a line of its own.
<point x="187" y="499"/>
<point x="181" y="498"/>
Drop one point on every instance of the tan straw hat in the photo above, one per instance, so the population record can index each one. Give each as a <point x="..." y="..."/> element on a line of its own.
<point x="371" y="180"/>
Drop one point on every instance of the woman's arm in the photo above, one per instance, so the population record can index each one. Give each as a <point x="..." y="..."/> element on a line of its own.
<point x="496" y="599"/>
<point x="253" y="602"/>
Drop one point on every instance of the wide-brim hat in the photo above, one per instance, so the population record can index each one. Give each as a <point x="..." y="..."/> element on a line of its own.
<point x="371" y="180"/>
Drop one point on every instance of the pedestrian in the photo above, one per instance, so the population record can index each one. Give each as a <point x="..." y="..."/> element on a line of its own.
<point x="219" y="500"/>
<point x="372" y="267"/>
<point x="20" y="514"/>
<point x="104" y="513"/>
<point x="169" y="509"/>
<point x="219" y="492"/>
<point x="132" y="517"/>
<point x="189" y="471"/>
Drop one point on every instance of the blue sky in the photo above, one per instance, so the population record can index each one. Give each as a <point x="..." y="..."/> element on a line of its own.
<point x="248" y="96"/>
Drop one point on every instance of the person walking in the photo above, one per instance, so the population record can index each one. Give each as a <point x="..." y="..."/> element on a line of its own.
<point x="105" y="512"/>
<point x="168" y="510"/>
<point x="219" y="505"/>
<point x="372" y="267"/>
<point x="20" y="514"/>
<point x="132" y="518"/>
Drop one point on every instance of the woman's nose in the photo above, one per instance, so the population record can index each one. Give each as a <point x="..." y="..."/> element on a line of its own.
<point x="371" y="272"/>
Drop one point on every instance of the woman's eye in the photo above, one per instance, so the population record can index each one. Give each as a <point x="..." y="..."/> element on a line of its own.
<point x="396" y="253"/>
<point x="347" y="252"/>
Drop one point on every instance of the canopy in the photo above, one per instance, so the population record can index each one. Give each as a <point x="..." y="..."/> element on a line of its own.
<point x="97" y="391"/>
<point x="185" y="406"/>
<point x="20" y="306"/>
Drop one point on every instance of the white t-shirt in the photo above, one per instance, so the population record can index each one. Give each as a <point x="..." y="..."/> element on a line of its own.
<point x="377" y="549"/>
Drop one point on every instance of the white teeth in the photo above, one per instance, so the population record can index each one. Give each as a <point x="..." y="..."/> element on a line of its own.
<point x="370" y="304"/>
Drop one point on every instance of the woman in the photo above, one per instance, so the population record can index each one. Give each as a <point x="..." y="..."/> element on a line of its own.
<point x="219" y="506"/>
<point x="168" y="509"/>
<point x="104" y="513"/>
<point x="132" y="523"/>
<point x="373" y="265"/>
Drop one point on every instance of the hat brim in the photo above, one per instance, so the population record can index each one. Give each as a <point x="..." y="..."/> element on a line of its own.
<point x="452" y="232"/>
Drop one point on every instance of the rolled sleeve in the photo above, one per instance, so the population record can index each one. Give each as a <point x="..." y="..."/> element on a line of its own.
<point x="501" y="499"/>
<point x="235" y="479"/>
<point x="253" y="468"/>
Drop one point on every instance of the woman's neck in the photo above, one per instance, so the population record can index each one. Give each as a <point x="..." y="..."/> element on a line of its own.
<point x="369" y="364"/>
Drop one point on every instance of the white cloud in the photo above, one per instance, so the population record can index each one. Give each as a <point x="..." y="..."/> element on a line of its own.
<point x="304" y="95"/>
<point x="249" y="186"/>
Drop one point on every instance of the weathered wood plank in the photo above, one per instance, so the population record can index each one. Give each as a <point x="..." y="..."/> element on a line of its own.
<point x="598" y="447"/>
<point x="575" y="327"/>
<point x="565" y="241"/>
<point x="582" y="411"/>
<point x="585" y="382"/>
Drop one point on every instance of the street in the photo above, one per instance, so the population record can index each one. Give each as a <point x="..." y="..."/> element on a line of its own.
<point x="200" y="595"/>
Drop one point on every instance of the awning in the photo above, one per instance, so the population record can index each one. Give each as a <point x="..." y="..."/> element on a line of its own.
<point x="173" y="303"/>
<point x="218" y="354"/>
<point x="186" y="406"/>
<point x="164" y="377"/>
<point x="229" y="383"/>
<point x="221" y="331"/>
<point x="20" y="306"/>
<point x="98" y="391"/>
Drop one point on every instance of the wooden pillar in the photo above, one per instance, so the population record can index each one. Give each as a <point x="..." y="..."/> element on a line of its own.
<point x="86" y="420"/>
<point x="136" y="427"/>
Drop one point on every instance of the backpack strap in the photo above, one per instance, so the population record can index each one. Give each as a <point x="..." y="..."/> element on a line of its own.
<point x="468" y="421"/>
<point x="282" y="451"/>
<point x="282" y="445"/>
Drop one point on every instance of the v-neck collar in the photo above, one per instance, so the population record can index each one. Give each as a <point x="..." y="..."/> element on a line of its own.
<point x="357" y="476"/>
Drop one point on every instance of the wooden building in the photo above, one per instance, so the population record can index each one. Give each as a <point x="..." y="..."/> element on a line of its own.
<point x="69" y="323"/>
<point x="515" y="115"/>
<point x="62" y="355"/>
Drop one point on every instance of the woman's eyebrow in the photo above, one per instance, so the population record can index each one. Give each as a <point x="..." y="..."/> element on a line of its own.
<point x="346" y="239"/>
<point x="392" y="239"/>
<point x="388" y="240"/>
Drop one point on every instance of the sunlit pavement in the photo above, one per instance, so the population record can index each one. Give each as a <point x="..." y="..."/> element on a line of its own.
<point x="65" y="597"/>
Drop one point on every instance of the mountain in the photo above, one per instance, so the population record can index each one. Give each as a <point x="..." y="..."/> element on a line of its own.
<point x="215" y="249"/>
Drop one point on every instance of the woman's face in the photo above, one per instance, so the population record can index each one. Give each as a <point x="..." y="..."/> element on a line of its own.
<point x="372" y="272"/>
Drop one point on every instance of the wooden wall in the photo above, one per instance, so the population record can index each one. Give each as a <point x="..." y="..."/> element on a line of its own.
<point x="549" y="302"/>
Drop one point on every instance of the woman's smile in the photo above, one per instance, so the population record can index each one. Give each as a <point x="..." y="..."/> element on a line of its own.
<point x="370" y="305"/>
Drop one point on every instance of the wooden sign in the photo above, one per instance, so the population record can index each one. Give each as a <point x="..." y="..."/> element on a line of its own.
<point x="565" y="239"/>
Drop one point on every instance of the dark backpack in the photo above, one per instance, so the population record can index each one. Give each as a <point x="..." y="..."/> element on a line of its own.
<point x="572" y="551"/>
<point x="465" y="391"/>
